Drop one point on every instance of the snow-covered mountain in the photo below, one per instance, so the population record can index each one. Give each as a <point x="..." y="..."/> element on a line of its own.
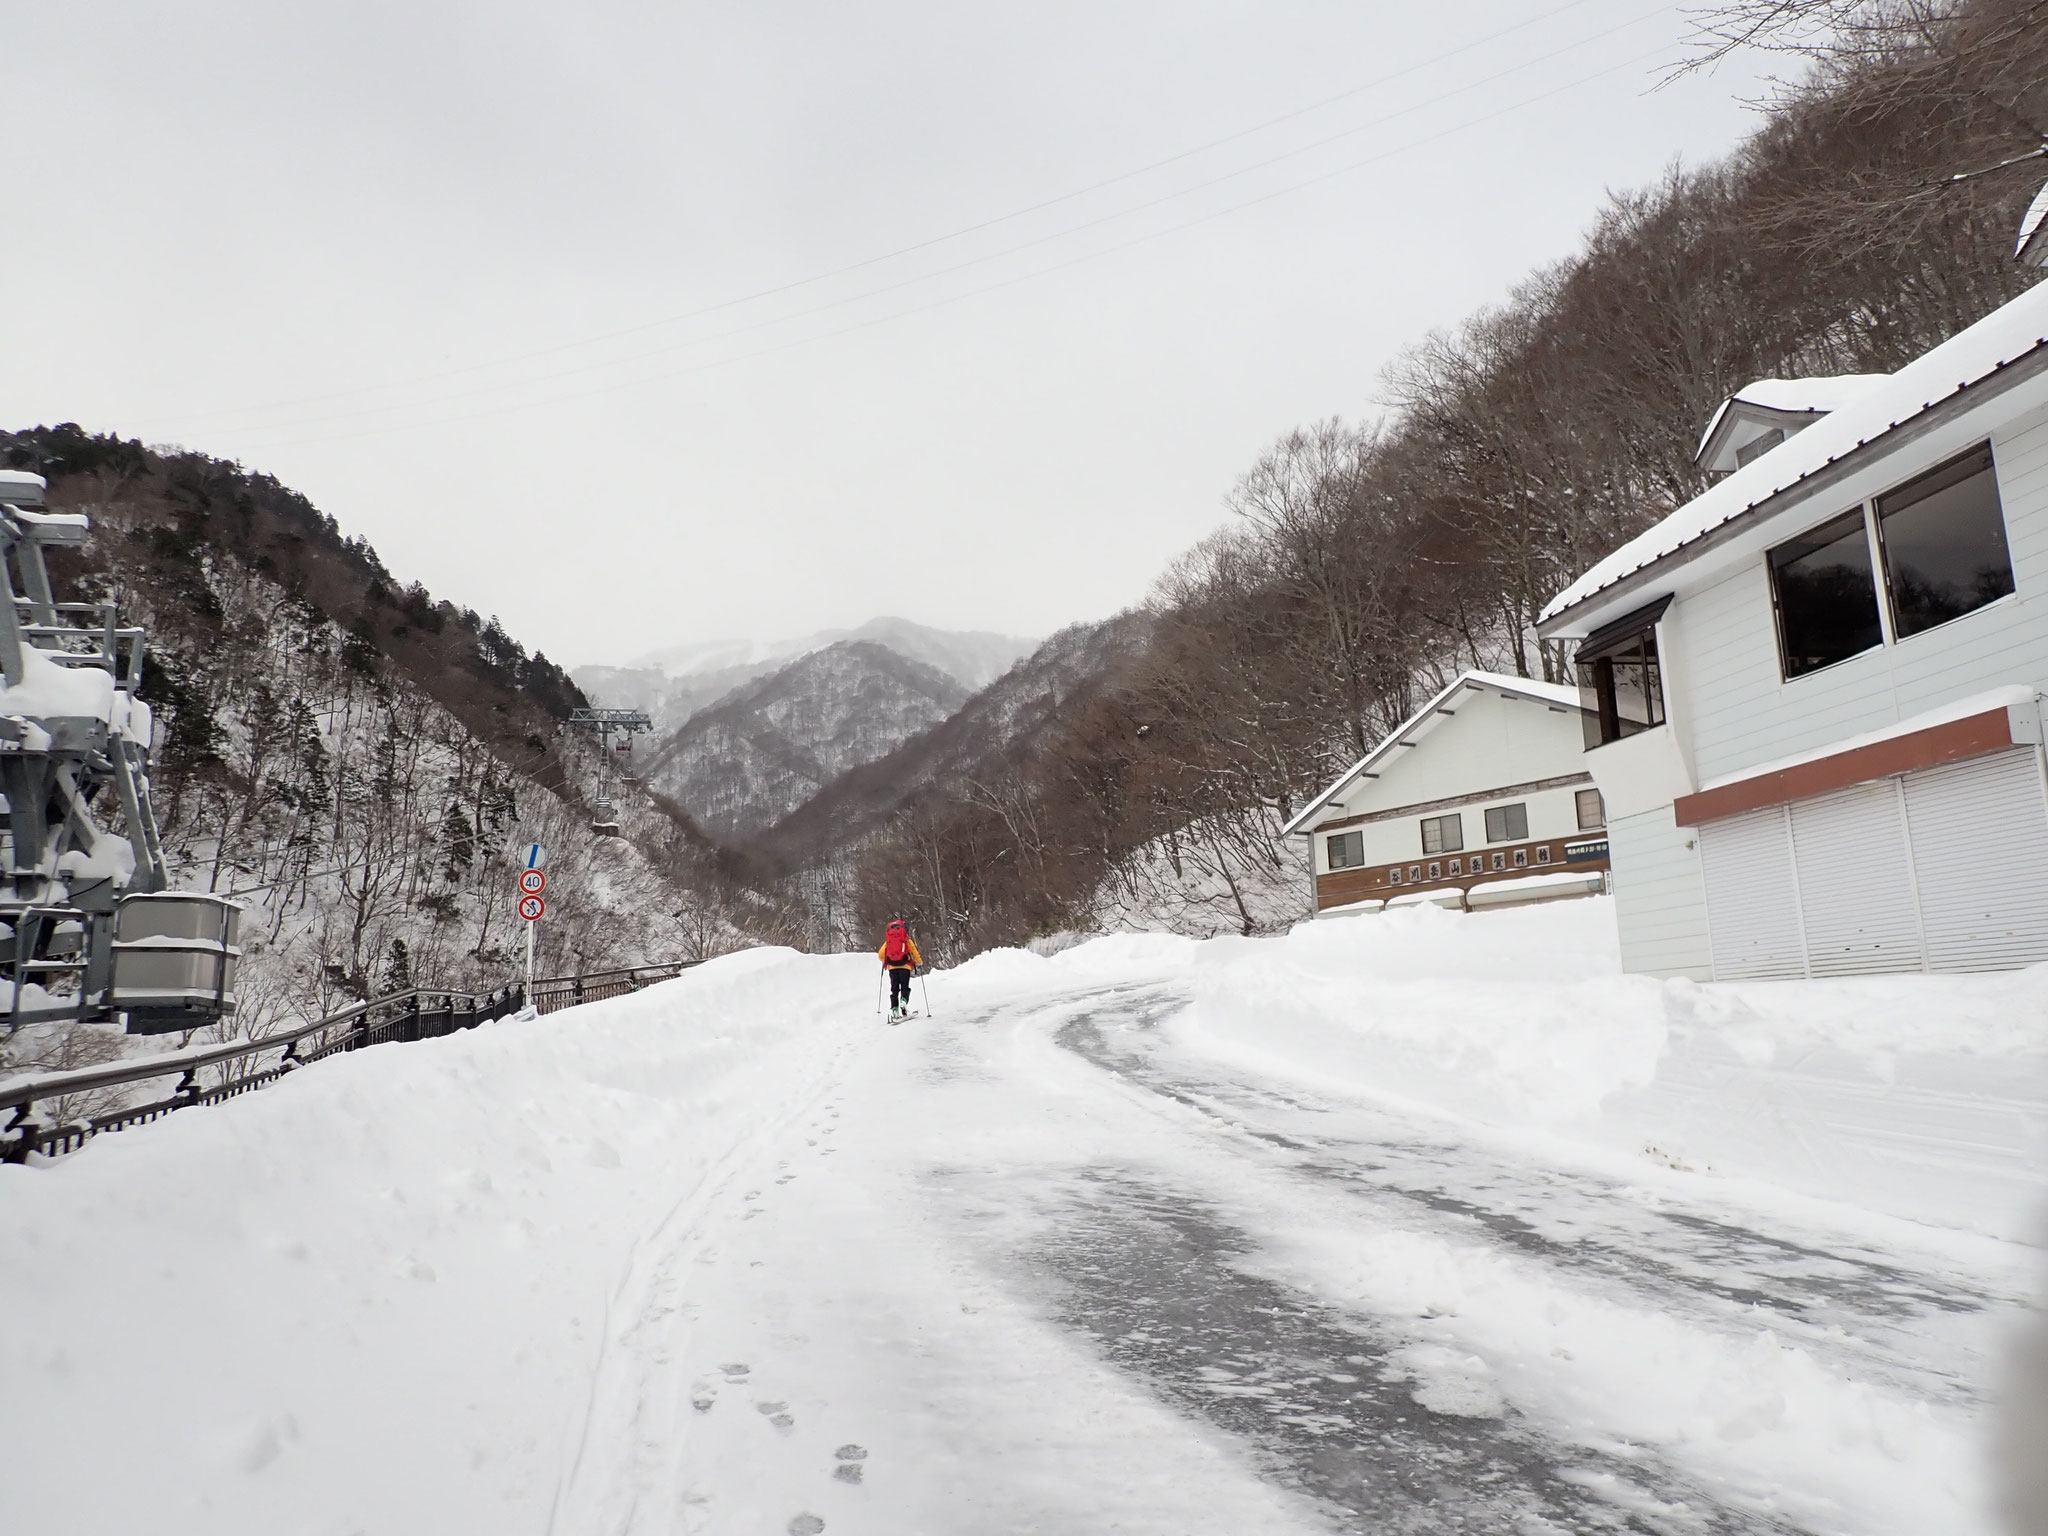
<point x="674" y="683"/>
<point x="1002" y="722"/>
<point x="773" y="743"/>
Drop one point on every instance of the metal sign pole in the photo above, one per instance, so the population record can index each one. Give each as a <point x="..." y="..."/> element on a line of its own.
<point x="529" y="964"/>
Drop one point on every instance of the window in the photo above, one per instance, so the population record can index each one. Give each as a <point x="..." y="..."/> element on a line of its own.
<point x="1347" y="850"/>
<point x="1758" y="446"/>
<point x="1825" y="595"/>
<point x="1944" y="544"/>
<point x="1543" y="853"/>
<point x="1621" y="687"/>
<point x="1505" y="823"/>
<point x="1443" y="834"/>
<point x="1592" y="810"/>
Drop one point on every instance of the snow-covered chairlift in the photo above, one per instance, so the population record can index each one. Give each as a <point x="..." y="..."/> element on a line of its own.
<point x="175" y="954"/>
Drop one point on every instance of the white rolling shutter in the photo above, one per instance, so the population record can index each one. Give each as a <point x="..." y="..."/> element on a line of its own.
<point x="1980" y="848"/>
<point x="1855" y="882"/>
<point x="1752" y="905"/>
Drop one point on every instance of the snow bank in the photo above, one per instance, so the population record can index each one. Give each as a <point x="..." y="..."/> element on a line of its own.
<point x="370" y="1298"/>
<point x="1919" y="1096"/>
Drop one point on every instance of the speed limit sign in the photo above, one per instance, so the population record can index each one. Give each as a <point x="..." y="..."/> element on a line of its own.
<point x="533" y="881"/>
<point x="532" y="908"/>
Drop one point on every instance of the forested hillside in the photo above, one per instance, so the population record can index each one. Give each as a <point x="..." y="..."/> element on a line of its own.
<point x="750" y="759"/>
<point x="351" y="756"/>
<point x="1368" y="560"/>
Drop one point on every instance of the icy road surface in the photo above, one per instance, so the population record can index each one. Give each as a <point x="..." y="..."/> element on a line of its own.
<point x="1422" y="1224"/>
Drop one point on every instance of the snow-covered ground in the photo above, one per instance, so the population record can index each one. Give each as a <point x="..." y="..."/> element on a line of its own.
<point x="1417" y="1222"/>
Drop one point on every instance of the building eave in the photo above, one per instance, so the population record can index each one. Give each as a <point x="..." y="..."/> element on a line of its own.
<point x="1639" y="585"/>
<point x="1299" y="824"/>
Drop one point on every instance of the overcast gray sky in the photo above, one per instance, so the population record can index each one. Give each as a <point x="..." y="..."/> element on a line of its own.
<point x="638" y="322"/>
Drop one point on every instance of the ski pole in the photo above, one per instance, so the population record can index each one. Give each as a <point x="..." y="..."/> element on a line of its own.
<point x="926" y="988"/>
<point x="880" y="981"/>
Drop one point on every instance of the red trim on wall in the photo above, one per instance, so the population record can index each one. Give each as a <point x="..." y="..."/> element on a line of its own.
<point x="1949" y="742"/>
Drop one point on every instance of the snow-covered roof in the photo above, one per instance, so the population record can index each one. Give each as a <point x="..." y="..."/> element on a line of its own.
<point x="2033" y="246"/>
<point x="1521" y="687"/>
<point x="22" y="488"/>
<point x="1788" y="402"/>
<point x="1965" y="360"/>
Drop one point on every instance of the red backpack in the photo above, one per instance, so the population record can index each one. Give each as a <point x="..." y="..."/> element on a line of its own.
<point x="896" y="947"/>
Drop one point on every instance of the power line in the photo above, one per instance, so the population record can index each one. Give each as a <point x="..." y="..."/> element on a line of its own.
<point x="972" y="261"/>
<point x="1009" y="282"/>
<point x="905" y="250"/>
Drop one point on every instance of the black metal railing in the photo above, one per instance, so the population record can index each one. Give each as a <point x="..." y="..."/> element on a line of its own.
<point x="208" y="1074"/>
<point x="567" y="991"/>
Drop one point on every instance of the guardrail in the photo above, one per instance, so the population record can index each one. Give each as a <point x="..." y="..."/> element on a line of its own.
<point x="567" y="991"/>
<point x="418" y="1014"/>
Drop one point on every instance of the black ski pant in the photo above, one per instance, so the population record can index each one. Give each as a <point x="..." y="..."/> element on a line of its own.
<point x="899" y="987"/>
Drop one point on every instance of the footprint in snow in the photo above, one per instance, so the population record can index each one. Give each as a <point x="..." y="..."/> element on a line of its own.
<point x="850" y="1458"/>
<point x="806" y="1525"/>
<point x="734" y="1372"/>
<point x="776" y="1414"/>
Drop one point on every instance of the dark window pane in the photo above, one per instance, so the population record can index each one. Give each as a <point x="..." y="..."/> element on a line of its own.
<point x="1944" y="544"/>
<point x="1504" y="823"/>
<point x="1443" y="834"/>
<point x="1827" y="601"/>
<point x="1757" y="447"/>
<point x="1620" y="688"/>
<point x="1347" y="850"/>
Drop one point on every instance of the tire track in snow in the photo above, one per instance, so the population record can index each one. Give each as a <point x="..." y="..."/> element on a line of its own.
<point x="1133" y="1254"/>
<point x="1328" y="1401"/>
<point x="1870" y="1309"/>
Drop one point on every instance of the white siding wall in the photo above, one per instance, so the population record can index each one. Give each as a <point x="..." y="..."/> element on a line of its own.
<point x="1660" y="903"/>
<point x="1552" y="813"/>
<point x="1490" y="740"/>
<point x="1727" y="686"/>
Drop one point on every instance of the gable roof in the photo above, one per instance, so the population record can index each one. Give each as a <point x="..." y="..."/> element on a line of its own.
<point x="1416" y="725"/>
<point x="2006" y="346"/>
<point x="1788" y="404"/>
<point x="2033" y="246"/>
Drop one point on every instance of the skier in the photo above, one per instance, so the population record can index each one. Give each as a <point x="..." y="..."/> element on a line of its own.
<point x="900" y="955"/>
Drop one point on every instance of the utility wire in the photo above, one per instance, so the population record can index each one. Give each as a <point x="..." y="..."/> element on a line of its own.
<point x="900" y="251"/>
<point x="972" y="261"/>
<point x="1009" y="282"/>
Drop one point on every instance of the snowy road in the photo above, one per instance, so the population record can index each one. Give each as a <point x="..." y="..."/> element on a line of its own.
<point x="1153" y="1237"/>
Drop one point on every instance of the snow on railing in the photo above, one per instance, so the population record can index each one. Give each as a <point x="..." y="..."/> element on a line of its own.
<point x="417" y="1014"/>
<point x="420" y="1013"/>
<point x="567" y="991"/>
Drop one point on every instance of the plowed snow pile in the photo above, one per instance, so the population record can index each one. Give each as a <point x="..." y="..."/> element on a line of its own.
<point x="732" y="1255"/>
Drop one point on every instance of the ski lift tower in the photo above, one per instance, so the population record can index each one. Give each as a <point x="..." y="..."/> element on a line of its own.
<point x="605" y="724"/>
<point x="87" y="929"/>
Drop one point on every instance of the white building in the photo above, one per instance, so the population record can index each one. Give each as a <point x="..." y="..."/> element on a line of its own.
<point x="1814" y="691"/>
<point x="1480" y="798"/>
